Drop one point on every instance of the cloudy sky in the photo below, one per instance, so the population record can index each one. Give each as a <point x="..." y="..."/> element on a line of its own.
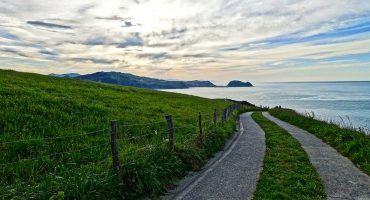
<point x="219" y="40"/>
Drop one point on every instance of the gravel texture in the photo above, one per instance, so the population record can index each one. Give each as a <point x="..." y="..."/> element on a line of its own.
<point x="342" y="180"/>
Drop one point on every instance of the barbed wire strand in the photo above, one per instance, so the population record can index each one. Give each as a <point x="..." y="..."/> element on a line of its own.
<point x="54" y="138"/>
<point x="54" y="154"/>
<point x="140" y="149"/>
<point x="140" y="124"/>
<point x="127" y="153"/>
<point x="142" y="136"/>
<point x="94" y="132"/>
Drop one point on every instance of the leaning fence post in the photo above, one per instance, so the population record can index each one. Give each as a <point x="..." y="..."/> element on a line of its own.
<point x="115" y="159"/>
<point x="200" y="136"/>
<point x="170" y="130"/>
<point x="223" y="115"/>
<point x="215" y="117"/>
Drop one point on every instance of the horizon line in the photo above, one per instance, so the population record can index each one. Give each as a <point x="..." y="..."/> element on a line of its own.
<point x="316" y="81"/>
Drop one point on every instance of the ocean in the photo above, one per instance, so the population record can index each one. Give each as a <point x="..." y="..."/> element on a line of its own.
<point x="346" y="103"/>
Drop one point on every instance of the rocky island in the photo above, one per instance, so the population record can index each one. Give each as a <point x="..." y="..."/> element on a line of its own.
<point x="236" y="83"/>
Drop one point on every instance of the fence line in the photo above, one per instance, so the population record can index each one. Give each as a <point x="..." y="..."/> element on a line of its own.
<point x="141" y="124"/>
<point x="131" y="152"/>
<point x="199" y="124"/>
<point x="143" y="136"/>
<point x="54" y="154"/>
<point x="54" y="138"/>
<point x="143" y="148"/>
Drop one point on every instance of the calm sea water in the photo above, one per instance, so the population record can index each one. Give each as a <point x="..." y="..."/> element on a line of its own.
<point x="347" y="103"/>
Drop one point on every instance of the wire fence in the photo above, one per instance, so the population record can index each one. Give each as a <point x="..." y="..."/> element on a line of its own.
<point x="25" y="159"/>
<point x="53" y="138"/>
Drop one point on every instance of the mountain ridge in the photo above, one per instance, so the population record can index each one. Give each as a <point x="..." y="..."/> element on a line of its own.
<point x="127" y="79"/>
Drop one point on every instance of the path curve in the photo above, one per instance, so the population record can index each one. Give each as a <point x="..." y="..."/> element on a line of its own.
<point x="342" y="180"/>
<point x="235" y="173"/>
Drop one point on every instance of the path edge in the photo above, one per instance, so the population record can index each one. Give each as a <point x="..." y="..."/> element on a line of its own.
<point x="328" y="192"/>
<point x="192" y="176"/>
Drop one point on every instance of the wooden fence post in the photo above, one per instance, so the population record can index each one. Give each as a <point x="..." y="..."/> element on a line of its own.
<point x="227" y="113"/>
<point x="170" y="130"/>
<point x="223" y="115"/>
<point x="200" y="136"/>
<point x="115" y="156"/>
<point x="215" y="117"/>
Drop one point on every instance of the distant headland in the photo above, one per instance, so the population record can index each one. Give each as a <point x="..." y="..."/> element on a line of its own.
<point x="236" y="83"/>
<point x="127" y="79"/>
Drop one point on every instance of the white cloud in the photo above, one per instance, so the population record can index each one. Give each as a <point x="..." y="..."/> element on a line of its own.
<point x="131" y="35"/>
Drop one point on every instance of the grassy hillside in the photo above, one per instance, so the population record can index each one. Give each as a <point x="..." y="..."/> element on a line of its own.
<point x="55" y="138"/>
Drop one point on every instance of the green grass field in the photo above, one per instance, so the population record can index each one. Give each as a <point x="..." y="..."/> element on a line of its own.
<point x="352" y="143"/>
<point x="55" y="138"/>
<point x="287" y="172"/>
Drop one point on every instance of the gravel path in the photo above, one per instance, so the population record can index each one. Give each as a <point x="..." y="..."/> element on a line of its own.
<point x="342" y="180"/>
<point x="234" y="174"/>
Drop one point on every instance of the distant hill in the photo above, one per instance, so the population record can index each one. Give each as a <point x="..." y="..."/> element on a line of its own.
<point x="127" y="79"/>
<point x="70" y="75"/>
<point x="236" y="83"/>
<point x="197" y="83"/>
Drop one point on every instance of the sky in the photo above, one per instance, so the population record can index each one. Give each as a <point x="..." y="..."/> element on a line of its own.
<point x="217" y="40"/>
